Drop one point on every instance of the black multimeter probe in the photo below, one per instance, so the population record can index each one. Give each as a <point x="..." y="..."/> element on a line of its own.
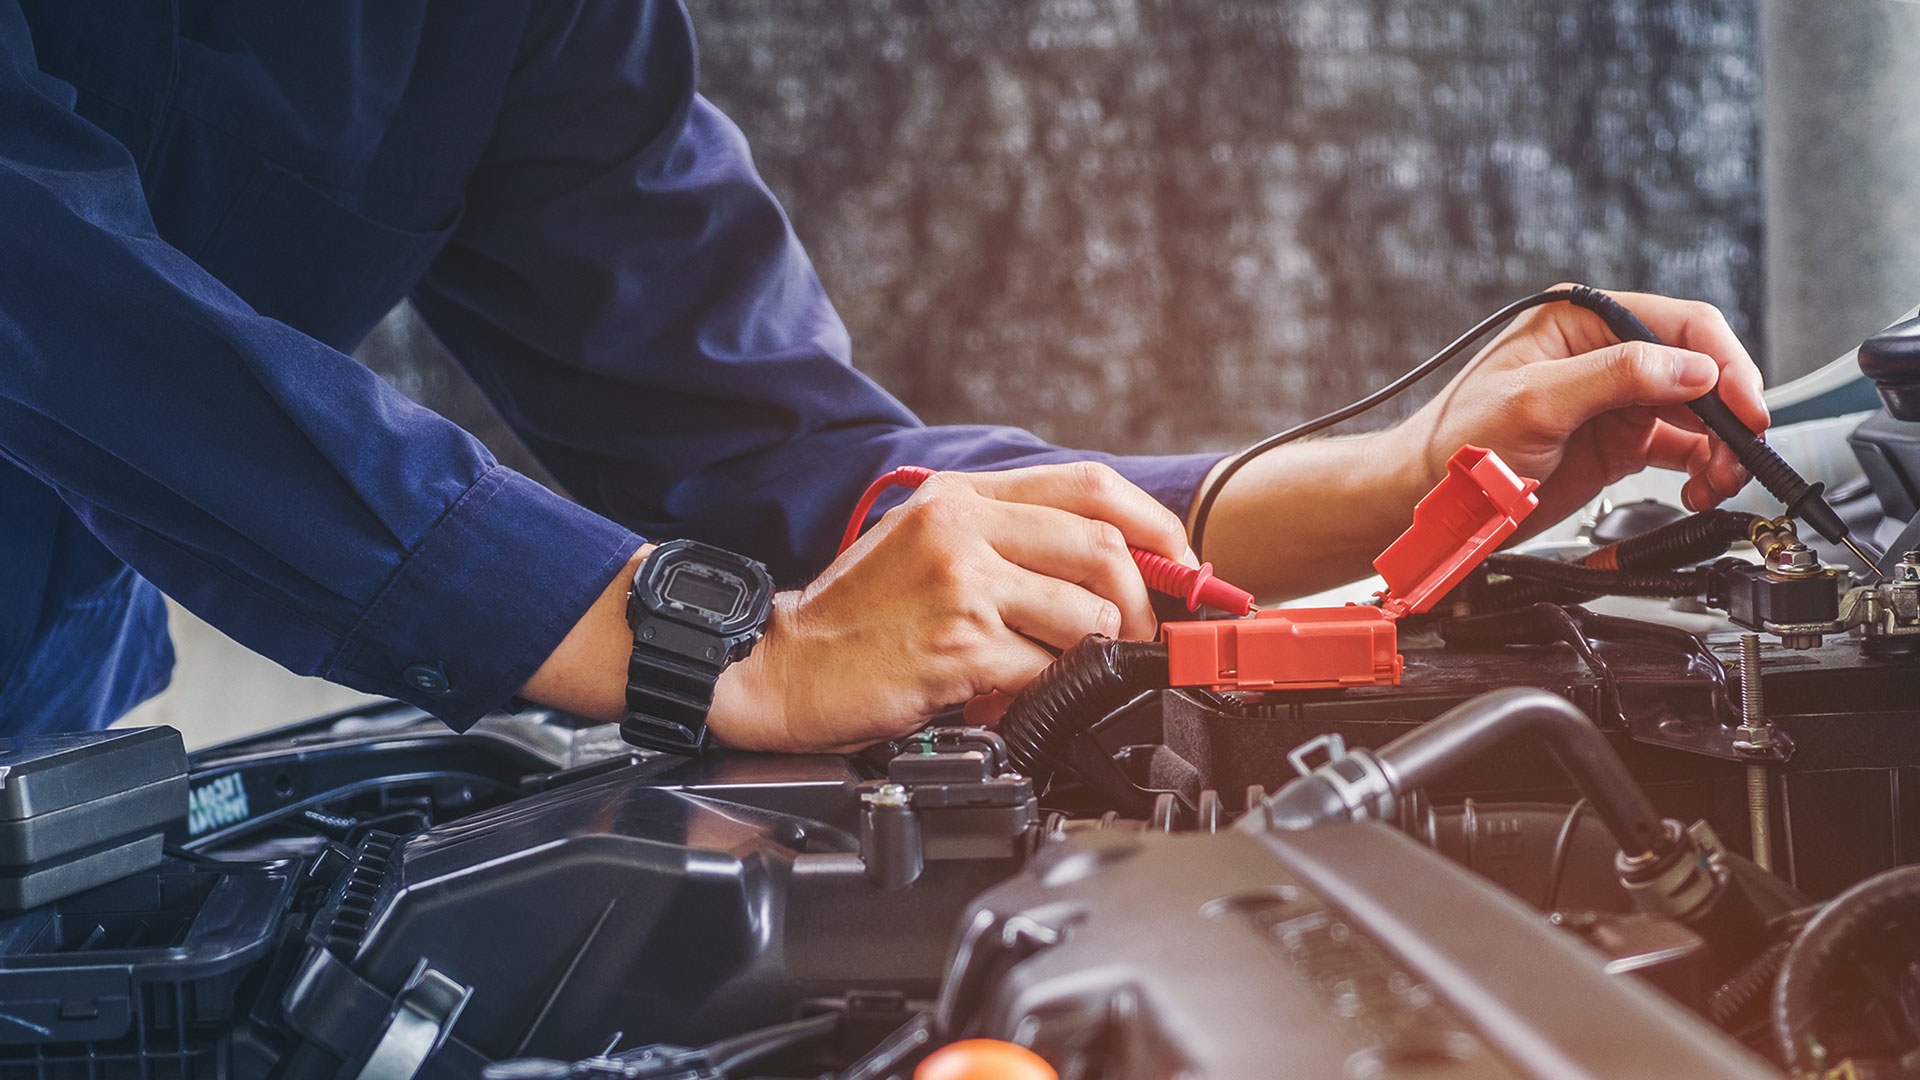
<point x="1803" y="500"/>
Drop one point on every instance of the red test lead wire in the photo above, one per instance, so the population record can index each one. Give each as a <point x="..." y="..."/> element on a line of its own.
<point x="1196" y="585"/>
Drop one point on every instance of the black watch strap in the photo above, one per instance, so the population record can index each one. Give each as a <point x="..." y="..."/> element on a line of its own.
<point x="667" y="701"/>
<point x="694" y="609"/>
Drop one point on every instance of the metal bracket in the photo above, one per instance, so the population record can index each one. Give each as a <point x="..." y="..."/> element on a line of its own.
<point x="423" y="1015"/>
<point x="1332" y="743"/>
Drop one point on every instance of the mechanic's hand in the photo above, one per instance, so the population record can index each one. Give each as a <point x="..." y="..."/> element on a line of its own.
<point x="1565" y="403"/>
<point x="948" y="598"/>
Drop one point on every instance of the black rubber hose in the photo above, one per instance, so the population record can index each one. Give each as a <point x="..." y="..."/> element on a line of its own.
<point x="1665" y="583"/>
<point x="1819" y="951"/>
<point x="1690" y="540"/>
<point x="1750" y="983"/>
<point x="1077" y="691"/>
<point x="1424" y="755"/>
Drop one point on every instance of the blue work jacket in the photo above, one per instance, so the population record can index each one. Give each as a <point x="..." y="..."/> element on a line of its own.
<point x="204" y="202"/>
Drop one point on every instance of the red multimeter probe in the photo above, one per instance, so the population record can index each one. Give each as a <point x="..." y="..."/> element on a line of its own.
<point x="1475" y="509"/>
<point x="1196" y="585"/>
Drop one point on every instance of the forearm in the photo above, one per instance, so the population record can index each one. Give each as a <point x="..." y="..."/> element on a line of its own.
<point x="1313" y="515"/>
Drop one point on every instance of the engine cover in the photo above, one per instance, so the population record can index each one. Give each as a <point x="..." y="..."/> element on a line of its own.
<point x="1342" y="951"/>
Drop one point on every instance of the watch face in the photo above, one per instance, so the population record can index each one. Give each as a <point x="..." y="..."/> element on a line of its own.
<point x="704" y="587"/>
<point x="711" y="591"/>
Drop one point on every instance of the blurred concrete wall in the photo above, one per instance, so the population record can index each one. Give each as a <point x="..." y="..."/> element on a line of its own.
<point x="1842" y="173"/>
<point x="1160" y="225"/>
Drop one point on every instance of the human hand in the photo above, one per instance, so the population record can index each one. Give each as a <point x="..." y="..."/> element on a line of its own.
<point x="949" y="598"/>
<point x="1565" y="403"/>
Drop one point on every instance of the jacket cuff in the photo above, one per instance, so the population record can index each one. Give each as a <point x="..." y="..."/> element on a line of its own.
<point x="483" y="599"/>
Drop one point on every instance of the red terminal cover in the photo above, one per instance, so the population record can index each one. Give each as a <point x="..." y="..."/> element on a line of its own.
<point x="1473" y="511"/>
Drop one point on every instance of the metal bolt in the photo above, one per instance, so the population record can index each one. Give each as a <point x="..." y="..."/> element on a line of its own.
<point x="889" y="795"/>
<point x="1908" y="569"/>
<point x="1752" y="699"/>
<point x="1794" y="558"/>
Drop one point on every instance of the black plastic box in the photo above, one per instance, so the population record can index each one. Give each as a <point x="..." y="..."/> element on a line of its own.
<point x="81" y="810"/>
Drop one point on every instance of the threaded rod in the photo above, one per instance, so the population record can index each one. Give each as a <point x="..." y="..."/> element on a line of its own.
<point x="1753" y="723"/>
<point x="1759" y="815"/>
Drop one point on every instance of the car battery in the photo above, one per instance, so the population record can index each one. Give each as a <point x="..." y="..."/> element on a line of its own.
<point x="80" y="810"/>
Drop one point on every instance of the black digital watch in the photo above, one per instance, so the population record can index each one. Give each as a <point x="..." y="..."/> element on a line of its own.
<point x="694" y="609"/>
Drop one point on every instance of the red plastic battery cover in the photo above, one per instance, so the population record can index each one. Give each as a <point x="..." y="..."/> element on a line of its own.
<point x="1460" y="522"/>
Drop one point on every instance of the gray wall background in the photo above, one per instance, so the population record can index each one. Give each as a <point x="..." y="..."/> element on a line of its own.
<point x="1167" y="225"/>
<point x="1163" y="225"/>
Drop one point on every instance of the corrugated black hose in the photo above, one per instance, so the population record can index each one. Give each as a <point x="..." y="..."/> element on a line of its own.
<point x="1690" y="540"/>
<point x="1820" y="951"/>
<point x="1702" y="536"/>
<point x="1584" y="579"/>
<point x="1077" y="691"/>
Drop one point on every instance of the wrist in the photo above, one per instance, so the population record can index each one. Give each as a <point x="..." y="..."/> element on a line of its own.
<point x="1400" y="465"/>
<point x="749" y="710"/>
<point x="587" y="674"/>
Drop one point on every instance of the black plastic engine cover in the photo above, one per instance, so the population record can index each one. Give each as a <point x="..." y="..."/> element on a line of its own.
<point x="668" y="906"/>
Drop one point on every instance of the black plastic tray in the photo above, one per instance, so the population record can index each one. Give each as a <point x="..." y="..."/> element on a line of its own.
<point x="137" y="978"/>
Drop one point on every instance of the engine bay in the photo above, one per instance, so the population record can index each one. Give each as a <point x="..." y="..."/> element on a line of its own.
<point x="1558" y="828"/>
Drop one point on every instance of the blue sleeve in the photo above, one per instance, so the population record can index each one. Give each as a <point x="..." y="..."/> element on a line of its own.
<point x="631" y="296"/>
<point x="269" y="483"/>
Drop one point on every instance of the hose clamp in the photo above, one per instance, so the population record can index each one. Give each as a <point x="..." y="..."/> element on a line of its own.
<point x="1680" y="882"/>
<point x="1356" y="777"/>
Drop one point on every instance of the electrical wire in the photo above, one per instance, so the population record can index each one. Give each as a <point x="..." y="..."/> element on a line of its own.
<point x="1425" y="368"/>
<point x="729" y="1054"/>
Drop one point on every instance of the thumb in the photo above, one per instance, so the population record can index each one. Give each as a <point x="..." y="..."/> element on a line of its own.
<point x="1622" y="375"/>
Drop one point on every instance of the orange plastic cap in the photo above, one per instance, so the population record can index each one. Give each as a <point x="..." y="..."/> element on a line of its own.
<point x="984" y="1059"/>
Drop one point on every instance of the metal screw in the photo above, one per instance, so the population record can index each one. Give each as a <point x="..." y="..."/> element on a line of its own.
<point x="1755" y="736"/>
<point x="1908" y="569"/>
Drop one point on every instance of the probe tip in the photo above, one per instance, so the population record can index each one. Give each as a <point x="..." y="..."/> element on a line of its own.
<point x="1868" y="564"/>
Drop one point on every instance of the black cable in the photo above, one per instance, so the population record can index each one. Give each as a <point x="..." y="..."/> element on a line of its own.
<point x="1660" y="583"/>
<point x="729" y="1054"/>
<point x="1427" y="367"/>
<point x="1562" y="845"/>
<point x="1075" y="692"/>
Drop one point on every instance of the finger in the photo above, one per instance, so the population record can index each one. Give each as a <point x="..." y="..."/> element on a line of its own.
<point x="985" y="710"/>
<point x="1713" y="473"/>
<point x="1574" y="390"/>
<point x="1682" y="417"/>
<point x="1701" y="327"/>
<point x="1725" y="473"/>
<point x="1065" y="546"/>
<point x="1008" y="666"/>
<point x="1051" y="611"/>
<point x="1668" y="447"/>
<point x="1697" y="495"/>
<point x="1093" y="490"/>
